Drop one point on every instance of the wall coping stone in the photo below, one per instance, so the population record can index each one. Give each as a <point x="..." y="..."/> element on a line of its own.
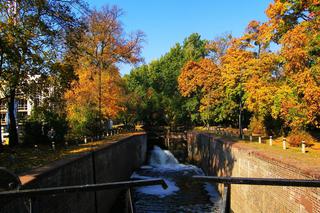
<point x="313" y="173"/>
<point x="31" y="176"/>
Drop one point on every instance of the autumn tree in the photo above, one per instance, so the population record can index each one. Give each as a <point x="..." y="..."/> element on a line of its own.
<point x="82" y="100"/>
<point x="203" y="79"/>
<point x="285" y="85"/>
<point x="218" y="47"/>
<point x="270" y="74"/>
<point x="218" y="80"/>
<point x="294" y="25"/>
<point x="103" y="45"/>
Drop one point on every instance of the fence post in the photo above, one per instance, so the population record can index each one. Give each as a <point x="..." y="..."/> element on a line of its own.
<point x="303" y="147"/>
<point x="259" y="139"/>
<point x="53" y="146"/>
<point x="30" y="206"/>
<point x="228" y="202"/>
<point x="270" y="141"/>
<point x="131" y="208"/>
<point x="284" y="146"/>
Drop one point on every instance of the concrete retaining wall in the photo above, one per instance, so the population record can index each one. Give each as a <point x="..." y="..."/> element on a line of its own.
<point x="113" y="162"/>
<point x="219" y="158"/>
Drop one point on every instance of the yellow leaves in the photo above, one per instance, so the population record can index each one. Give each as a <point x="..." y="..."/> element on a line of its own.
<point x="278" y="8"/>
<point x="265" y="34"/>
<point x="204" y="78"/>
<point x="198" y="75"/>
<point x="259" y="95"/>
<point x="105" y="42"/>
<point x="284" y="84"/>
<point x="102" y="46"/>
<point x="86" y="91"/>
<point x="294" y="50"/>
<point x="312" y="99"/>
<point x="234" y="64"/>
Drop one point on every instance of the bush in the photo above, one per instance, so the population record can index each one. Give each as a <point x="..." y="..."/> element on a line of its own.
<point x="85" y="122"/>
<point x="296" y="137"/>
<point x="257" y="126"/>
<point x="33" y="133"/>
<point x="274" y="126"/>
<point x="40" y="123"/>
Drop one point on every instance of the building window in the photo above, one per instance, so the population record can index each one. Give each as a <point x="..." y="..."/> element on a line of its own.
<point x="22" y="104"/>
<point x="3" y="105"/>
<point x="22" y="117"/>
<point x="3" y="118"/>
<point x="36" y="100"/>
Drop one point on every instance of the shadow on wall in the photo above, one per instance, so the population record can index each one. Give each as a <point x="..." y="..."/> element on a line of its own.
<point x="212" y="155"/>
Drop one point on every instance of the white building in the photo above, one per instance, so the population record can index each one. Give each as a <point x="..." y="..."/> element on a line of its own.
<point x="23" y="107"/>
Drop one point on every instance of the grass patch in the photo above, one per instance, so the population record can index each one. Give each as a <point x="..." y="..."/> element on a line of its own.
<point x="21" y="159"/>
<point x="292" y="155"/>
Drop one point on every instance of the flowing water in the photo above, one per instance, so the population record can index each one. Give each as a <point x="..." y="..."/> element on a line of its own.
<point x="182" y="195"/>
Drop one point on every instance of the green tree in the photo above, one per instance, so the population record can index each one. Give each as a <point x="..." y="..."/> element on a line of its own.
<point x="156" y="84"/>
<point x="32" y="39"/>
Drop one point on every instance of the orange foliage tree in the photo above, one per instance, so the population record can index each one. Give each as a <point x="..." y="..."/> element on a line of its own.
<point x="83" y="99"/>
<point x="202" y="78"/>
<point x="104" y="44"/>
<point x="282" y="85"/>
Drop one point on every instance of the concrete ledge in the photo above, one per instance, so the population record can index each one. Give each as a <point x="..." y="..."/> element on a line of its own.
<point x="218" y="157"/>
<point x="111" y="162"/>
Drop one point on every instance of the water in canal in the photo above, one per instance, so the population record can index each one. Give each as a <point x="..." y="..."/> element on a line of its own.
<point x="182" y="195"/>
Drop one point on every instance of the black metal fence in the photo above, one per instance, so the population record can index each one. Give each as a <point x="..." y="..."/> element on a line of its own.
<point x="227" y="181"/>
<point x="32" y="193"/>
<point x="226" y="197"/>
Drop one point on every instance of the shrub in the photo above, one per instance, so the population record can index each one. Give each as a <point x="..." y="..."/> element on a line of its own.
<point x="85" y="122"/>
<point x="296" y="137"/>
<point x="39" y="124"/>
<point x="257" y="126"/>
<point x="33" y="133"/>
<point x="274" y="126"/>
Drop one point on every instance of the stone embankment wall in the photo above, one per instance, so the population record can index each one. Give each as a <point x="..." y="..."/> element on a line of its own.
<point x="113" y="162"/>
<point x="218" y="158"/>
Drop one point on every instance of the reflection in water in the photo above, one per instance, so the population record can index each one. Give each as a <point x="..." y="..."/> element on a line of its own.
<point x="182" y="195"/>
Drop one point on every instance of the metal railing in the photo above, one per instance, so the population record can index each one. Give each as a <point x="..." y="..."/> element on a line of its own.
<point x="227" y="181"/>
<point x="32" y="193"/>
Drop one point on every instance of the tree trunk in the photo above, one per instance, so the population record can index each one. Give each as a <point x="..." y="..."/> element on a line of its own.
<point x="0" y="133"/>
<point x="13" y="133"/>
<point x="1" y="146"/>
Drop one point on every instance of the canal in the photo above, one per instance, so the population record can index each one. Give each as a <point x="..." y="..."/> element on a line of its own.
<point x="182" y="195"/>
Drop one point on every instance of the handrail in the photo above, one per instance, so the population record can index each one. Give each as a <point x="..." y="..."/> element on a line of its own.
<point x="224" y="207"/>
<point x="260" y="181"/>
<point x="227" y="181"/>
<point x="81" y="188"/>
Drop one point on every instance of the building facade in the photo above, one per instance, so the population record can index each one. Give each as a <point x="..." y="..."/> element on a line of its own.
<point x="23" y="107"/>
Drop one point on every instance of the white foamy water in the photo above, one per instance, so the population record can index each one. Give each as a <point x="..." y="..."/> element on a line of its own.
<point x="164" y="160"/>
<point x="183" y="193"/>
<point x="156" y="190"/>
<point x="160" y="158"/>
<point x="161" y="161"/>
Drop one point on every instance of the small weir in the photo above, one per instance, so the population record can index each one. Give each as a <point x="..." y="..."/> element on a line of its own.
<point x="183" y="193"/>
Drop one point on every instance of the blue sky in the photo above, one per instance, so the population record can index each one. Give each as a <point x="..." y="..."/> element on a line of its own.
<point x="166" y="22"/>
